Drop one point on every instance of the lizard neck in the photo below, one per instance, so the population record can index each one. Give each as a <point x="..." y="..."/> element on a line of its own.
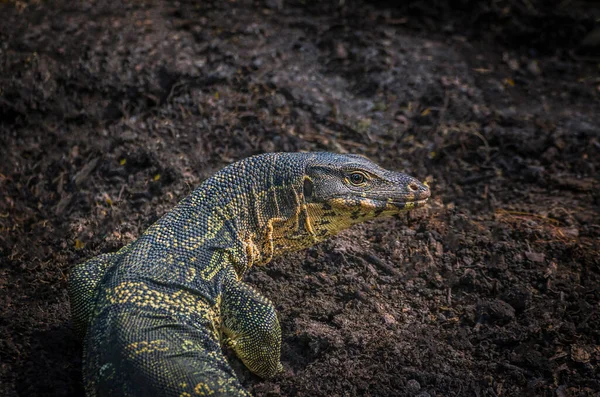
<point x="291" y="229"/>
<point x="264" y="216"/>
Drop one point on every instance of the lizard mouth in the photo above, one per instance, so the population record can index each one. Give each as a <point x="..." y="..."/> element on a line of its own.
<point x="379" y="206"/>
<point x="406" y="205"/>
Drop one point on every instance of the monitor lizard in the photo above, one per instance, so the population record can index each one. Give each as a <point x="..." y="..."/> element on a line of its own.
<point x="153" y="316"/>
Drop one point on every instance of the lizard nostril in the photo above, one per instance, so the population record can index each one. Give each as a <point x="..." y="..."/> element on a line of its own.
<point x="413" y="186"/>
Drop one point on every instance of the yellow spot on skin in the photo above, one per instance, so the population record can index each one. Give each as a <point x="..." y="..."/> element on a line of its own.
<point x="188" y="345"/>
<point x="190" y="274"/>
<point x="123" y="161"/>
<point x="216" y="263"/>
<point x="79" y="244"/>
<point x="137" y="348"/>
<point x="156" y="177"/>
<point x="202" y="389"/>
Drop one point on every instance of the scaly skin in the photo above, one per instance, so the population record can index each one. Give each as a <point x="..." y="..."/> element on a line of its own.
<point x="153" y="315"/>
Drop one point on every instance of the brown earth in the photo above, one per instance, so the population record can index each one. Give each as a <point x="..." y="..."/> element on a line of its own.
<point x="112" y="111"/>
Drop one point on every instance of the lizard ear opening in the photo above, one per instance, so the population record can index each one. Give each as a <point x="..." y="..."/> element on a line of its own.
<point x="307" y="188"/>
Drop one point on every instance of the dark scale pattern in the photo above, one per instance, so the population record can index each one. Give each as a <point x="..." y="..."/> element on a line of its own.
<point x="154" y="315"/>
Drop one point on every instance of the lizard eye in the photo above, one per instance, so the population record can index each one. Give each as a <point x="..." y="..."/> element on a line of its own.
<point x="357" y="178"/>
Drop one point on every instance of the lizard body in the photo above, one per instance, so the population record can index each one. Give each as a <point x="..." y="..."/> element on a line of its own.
<point x="154" y="314"/>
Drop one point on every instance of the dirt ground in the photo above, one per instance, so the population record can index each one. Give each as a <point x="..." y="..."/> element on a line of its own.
<point x="112" y="111"/>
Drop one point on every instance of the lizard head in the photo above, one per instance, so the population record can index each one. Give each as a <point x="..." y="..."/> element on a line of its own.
<point x="341" y="190"/>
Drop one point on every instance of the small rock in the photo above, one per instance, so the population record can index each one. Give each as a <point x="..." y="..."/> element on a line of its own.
<point x="560" y="391"/>
<point x="389" y="319"/>
<point x="534" y="68"/>
<point x="413" y="386"/>
<point x="497" y="311"/>
<point x="580" y="354"/>
<point x="340" y="51"/>
<point x="200" y="63"/>
<point x="512" y="63"/>
<point x="128" y="136"/>
<point x="408" y="232"/>
<point x="257" y="62"/>
<point x="550" y="154"/>
<point x="535" y="256"/>
<point x="278" y="101"/>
